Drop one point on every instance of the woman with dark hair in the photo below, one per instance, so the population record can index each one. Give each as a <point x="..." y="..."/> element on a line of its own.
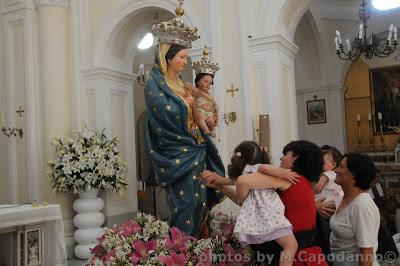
<point x="304" y="158"/>
<point x="205" y="109"/>
<point x="355" y="224"/>
<point x="178" y="149"/>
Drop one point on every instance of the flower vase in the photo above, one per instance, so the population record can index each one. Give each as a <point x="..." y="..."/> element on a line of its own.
<point x="88" y="220"/>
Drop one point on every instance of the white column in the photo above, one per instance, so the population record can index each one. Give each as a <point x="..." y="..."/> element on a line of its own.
<point x="23" y="156"/>
<point x="55" y="76"/>
<point x="273" y="88"/>
<point x="107" y="102"/>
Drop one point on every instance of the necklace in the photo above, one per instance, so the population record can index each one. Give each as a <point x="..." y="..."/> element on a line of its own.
<point x="177" y="81"/>
<point x="347" y="200"/>
<point x="206" y="95"/>
<point x="177" y="86"/>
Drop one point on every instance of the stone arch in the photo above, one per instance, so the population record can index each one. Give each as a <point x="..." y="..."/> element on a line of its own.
<point x="111" y="24"/>
<point x="289" y="14"/>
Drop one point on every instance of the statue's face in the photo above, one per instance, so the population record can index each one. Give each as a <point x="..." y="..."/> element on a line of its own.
<point x="204" y="84"/>
<point x="179" y="61"/>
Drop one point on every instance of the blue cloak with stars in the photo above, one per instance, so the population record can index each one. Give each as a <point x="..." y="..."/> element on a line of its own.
<point x="178" y="158"/>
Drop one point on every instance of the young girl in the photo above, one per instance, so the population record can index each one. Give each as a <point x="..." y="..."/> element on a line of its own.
<point x="326" y="187"/>
<point x="261" y="217"/>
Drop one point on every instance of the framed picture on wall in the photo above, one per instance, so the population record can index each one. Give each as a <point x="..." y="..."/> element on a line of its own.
<point x="385" y="97"/>
<point x="316" y="111"/>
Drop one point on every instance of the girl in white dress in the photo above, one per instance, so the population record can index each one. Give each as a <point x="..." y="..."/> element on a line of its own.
<point x="261" y="217"/>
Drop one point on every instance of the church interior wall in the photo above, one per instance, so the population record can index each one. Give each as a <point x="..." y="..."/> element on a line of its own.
<point x="3" y="141"/>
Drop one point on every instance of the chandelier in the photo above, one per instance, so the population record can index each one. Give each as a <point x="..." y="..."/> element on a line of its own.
<point x="370" y="45"/>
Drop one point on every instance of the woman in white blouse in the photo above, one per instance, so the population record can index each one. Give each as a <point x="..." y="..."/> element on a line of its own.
<point x="355" y="224"/>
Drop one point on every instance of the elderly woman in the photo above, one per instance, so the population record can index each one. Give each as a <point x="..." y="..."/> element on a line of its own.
<point x="355" y="224"/>
<point x="179" y="150"/>
<point x="304" y="158"/>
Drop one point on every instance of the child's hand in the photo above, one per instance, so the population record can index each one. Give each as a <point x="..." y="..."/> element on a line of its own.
<point x="292" y="177"/>
<point x="325" y="208"/>
<point x="215" y="180"/>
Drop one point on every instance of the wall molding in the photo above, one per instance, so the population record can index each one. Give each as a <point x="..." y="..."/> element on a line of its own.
<point x="109" y="74"/>
<point x="320" y="89"/>
<point x="58" y="3"/>
<point x="16" y="5"/>
<point x="264" y="43"/>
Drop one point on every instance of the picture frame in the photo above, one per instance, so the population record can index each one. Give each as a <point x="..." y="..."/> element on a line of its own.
<point x="33" y="246"/>
<point x="316" y="111"/>
<point x="385" y="98"/>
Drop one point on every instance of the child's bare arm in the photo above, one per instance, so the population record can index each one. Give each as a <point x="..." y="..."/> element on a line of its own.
<point x="283" y="173"/>
<point x="323" y="179"/>
<point x="242" y="191"/>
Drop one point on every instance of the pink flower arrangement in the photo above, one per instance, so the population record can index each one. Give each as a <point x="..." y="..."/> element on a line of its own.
<point x="147" y="241"/>
<point x="226" y="248"/>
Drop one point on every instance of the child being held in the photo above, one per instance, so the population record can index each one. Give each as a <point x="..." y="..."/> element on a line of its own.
<point x="261" y="217"/>
<point x="326" y="187"/>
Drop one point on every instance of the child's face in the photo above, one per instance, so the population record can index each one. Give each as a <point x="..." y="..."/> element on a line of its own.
<point x="205" y="83"/>
<point x="329" y="164"/>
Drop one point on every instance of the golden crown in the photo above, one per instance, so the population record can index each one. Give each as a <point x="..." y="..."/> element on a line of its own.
<point x="174" y="31"/>
<point x="205" y="65"/>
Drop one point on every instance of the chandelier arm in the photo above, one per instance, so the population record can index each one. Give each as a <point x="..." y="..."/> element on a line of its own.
<point x="356" y="55"/>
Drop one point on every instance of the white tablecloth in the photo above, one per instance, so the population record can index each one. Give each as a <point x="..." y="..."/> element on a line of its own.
<point x="50" y="216"/>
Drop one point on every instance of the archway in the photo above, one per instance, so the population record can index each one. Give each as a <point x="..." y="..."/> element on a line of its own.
<point x="100" y="55"/>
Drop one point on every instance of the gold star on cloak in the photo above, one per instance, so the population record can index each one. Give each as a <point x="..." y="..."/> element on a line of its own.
<point x="203" y="186"/>
<point x="162" y="170"/>
<point x="194" y="177"/>
<point x="162" y="94"/>
<point x="204" y="204"/>
<point x="185" y="149"/>
<point x="177" y="161"/>
<point x="181" y="192"/>
<point x="188" y="222"/>
<point x="196" y="195"/>
<point x="168" y="107"/>
<point x="176" y="210"/>
<point x="196" y="163"/>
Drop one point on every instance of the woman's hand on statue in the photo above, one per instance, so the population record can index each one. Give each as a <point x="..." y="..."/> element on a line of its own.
<point x="325" y="208"/>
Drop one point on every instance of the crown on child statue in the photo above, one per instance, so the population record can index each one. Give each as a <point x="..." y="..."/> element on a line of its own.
<point x="174" y="31"/>
<point x="205" y="65"/>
